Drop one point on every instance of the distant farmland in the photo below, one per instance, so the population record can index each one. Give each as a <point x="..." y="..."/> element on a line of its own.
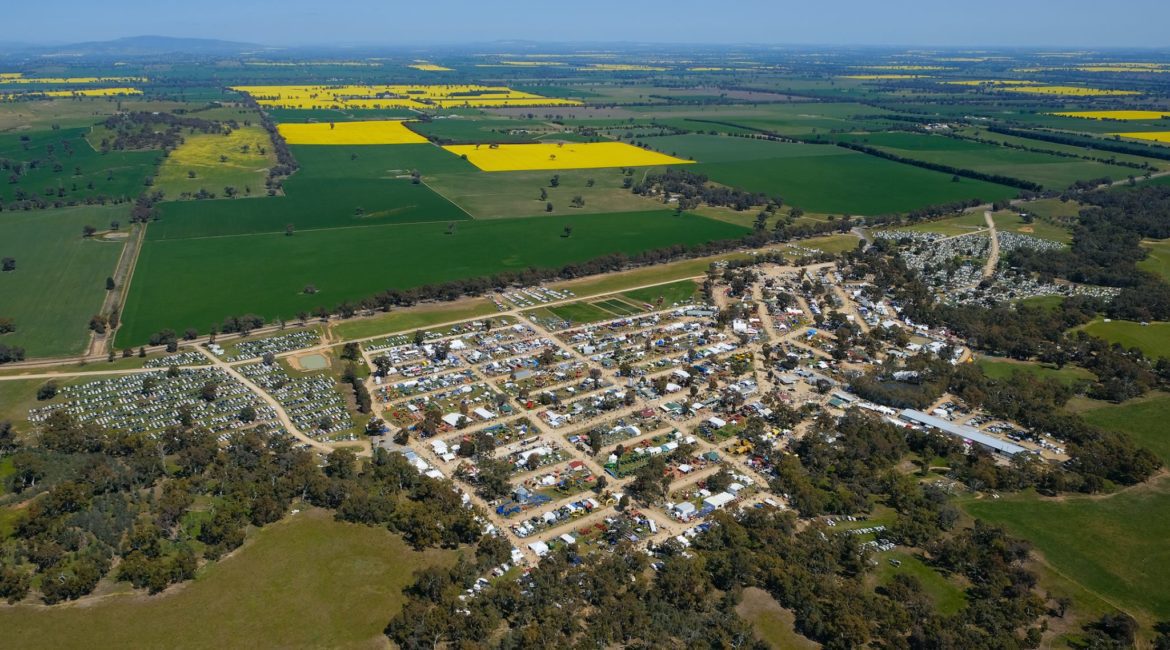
<point x="836" y="180"/>
<point x="266" y="273"/>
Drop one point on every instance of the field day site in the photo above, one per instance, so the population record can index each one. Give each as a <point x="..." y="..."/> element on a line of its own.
<point x="523" y="344"/>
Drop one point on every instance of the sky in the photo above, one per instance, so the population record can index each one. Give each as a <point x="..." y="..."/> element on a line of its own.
<point x="999" y="23"/>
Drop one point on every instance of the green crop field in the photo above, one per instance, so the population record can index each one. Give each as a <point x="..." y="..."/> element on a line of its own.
<point x="1114" y="546"/>
<point x="267" y="273"/>
<point x="308" y="204"/>
<point x="218" y="161"/>
<point x="60" y="278"/>
<point x="717" y="149"/>
<point x="307" y="581"/>
<point x="1153" y="339"/>
<point x="1159" y="259"/>
<point x="336" y="187"/>
<point x="1054" y="172"/>
<point x="69" y="169"/>
<point x="848" y="182"/>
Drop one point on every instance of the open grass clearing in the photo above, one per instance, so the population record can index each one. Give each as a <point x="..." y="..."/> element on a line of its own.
<point x="771" y="623"/>
<point x="1153" y="339"/>
<point x="1011" y="221"/>
<point x="669" y="294"/>
<point x="947" y="596"/>
<point x="581" y="312"/>
<point x="961" y="225"/>
<point x="413" y="318"/>
<point x="1144" y="418"/>
<point x="1159" y="258"/>
<point x="832" y="244"/>
<point x="54" y="260"/>
<point x="306" y="581"/>
<point x="999" y="368"/>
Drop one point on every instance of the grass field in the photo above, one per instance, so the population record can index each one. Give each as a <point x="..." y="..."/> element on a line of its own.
<point x="847" y="182"/>
<point x="1051" y="171"/>
<point x="68" y="166"/>
<point x="581" y="312"/>
<point x="266" y="273"/>
<point x="1011" y="221"/>
<point x="412" y="318"/>
<point x="1153" y="339"/>
<point x="1159" y="258"/>
<point x="1112" y="546"/>
<point x="16" y="398"/>
<point x="591" y="155"/>
<point x="351" y="133"/>
<point x="947" y="596"/>
<point x="245" y="166"/>
<point x="1004" y="368"/>
<point x="960" y="225"/>
<point x="1144" y="418"/>
<point x="833" y="244"/>
<point x="675" y="292"/>
<point x="303" y="582"/>
<point x="60" y="278"/>
<point x="771" y="623"/>
<point x="517" y="194"/>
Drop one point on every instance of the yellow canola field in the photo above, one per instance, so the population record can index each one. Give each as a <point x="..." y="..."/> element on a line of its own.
<point x="349" y="133"/>
<point x="1115" y="115"/>
<point x="1153" y="136"/>
<point x="429" y="67"/>
<point x="1069" y="91"/>
<point x="573" y="155"/>
<point x="420" y="97"/>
